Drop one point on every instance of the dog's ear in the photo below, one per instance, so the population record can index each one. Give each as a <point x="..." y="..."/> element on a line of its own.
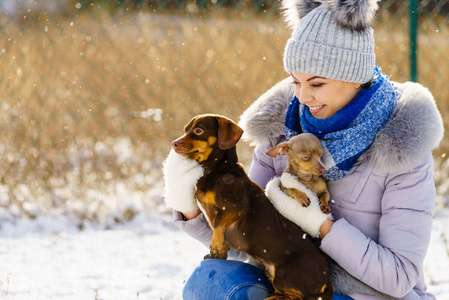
<point x="280" y="149"/>
<point x="229" y="133"/>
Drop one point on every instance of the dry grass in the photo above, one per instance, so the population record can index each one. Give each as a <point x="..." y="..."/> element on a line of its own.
<point x="73" y="89"/>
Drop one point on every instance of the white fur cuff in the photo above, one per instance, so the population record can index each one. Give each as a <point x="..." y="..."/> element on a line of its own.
<point x="308" y="218"/>
<point x="181" y="175"/>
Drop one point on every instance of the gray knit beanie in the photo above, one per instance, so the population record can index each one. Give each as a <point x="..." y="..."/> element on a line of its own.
<point x="331" y="39"/>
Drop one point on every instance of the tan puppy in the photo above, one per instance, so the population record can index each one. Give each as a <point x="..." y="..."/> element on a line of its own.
<point x="304" y="162"/>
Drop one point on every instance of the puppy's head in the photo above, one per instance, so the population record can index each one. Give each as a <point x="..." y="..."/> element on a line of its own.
<point x="205" y="134"/>
<point x="303" y="152"/>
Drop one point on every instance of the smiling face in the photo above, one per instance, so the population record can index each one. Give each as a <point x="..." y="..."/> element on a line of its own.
<point x="323" y="96"/>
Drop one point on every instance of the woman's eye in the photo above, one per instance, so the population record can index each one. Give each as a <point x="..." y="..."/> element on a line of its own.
<point x="316" y="85"/>
<point x="198" y="131"/>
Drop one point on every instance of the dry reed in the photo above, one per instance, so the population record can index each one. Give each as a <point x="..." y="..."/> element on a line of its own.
<point x="92" y="99"/>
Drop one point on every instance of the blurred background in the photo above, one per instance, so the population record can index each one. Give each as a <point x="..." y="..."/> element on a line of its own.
<point x="93" y="92"/>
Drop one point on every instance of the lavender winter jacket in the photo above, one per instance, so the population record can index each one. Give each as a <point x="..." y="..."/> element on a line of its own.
<point x="383" y="207"/>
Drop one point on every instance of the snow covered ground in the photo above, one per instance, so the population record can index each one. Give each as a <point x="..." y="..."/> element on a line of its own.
<point x="146" y="259"/>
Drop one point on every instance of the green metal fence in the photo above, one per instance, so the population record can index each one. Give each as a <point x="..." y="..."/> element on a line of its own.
<point x="92" y="92"/>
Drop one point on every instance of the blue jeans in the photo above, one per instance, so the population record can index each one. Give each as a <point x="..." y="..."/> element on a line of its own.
<point x="230" y="280"/>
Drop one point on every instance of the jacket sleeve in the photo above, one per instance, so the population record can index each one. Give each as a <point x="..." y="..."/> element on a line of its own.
<point x="262" y="167"/>
<point x="196" y="227"/>
<point x="392" y="265"/>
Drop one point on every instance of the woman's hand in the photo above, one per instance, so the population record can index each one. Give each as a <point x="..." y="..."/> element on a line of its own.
<point x="325" y="228"/>
<point x="191" y="215"/>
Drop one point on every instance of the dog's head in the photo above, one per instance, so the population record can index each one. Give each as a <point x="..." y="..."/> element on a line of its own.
<point x="303" y="152"/>
<point x="205" y="134"/>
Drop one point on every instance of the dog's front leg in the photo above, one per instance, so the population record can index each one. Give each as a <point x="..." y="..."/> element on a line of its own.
<point x="218" y="247"/>
<point x="299" y="196"/>
<point x="324" y="202"/>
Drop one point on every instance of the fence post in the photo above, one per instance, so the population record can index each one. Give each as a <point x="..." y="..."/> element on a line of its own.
<point x="413" y="15"/>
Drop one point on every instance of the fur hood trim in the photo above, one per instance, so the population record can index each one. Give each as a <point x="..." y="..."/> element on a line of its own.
<point x="414" y="129"/>
<point x="263" y="122"/>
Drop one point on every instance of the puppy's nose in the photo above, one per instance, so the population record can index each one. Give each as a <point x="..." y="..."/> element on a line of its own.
<point x="175" y="144"/>
<point x="321" y="170"/>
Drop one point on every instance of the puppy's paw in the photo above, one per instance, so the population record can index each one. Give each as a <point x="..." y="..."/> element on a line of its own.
<point x="325" y="208"/>
<point x="304" y="201"/>
<point x="299" y="196"/>
<point x="302" y="198"/>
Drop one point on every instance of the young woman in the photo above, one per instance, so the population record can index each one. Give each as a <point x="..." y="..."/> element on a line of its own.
<point x="377" y="137"/>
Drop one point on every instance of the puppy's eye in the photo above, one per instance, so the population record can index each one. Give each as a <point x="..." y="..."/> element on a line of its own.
<point x="305" y="158"/>
<point x="198" y="131"/>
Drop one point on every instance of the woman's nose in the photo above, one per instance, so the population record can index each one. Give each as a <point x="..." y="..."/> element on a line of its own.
<point x="302" y="95"/>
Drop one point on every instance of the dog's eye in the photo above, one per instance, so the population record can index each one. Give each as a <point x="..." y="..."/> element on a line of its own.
<point x="198" y="131"/>
<point x="305" y="158"/>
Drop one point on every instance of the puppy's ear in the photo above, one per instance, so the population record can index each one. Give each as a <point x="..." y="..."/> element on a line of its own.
<point x="280" y="149"/>
<point x="229" y="133"/>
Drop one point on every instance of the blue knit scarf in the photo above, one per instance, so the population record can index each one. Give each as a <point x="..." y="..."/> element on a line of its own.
<point x="348" y="133"/>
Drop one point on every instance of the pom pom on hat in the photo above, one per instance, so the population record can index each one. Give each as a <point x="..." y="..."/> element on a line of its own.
<point x="295" y="10"/>
<point x="357" y="15"/>
<point x="352" y="14"/>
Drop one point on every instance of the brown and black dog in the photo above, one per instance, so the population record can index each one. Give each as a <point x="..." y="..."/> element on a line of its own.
<point x="242" y="217"/>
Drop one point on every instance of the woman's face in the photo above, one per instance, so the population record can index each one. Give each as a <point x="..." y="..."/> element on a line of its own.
<point x="324" y="97"/>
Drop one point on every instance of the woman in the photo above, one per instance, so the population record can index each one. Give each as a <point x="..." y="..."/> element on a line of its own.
<point x="377" y="136"/>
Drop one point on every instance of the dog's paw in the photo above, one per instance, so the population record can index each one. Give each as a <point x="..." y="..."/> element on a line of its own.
<point x="216" y="255"/>
<point x="325" y="208"/>
<point x="302" y="199"/>
<point x="305" y="202"/>
<point x="299" y="196"/>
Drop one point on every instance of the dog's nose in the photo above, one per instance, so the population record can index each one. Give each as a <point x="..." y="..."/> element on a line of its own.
<point x="175" y="144"/>
<point x="321" y="170"/>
